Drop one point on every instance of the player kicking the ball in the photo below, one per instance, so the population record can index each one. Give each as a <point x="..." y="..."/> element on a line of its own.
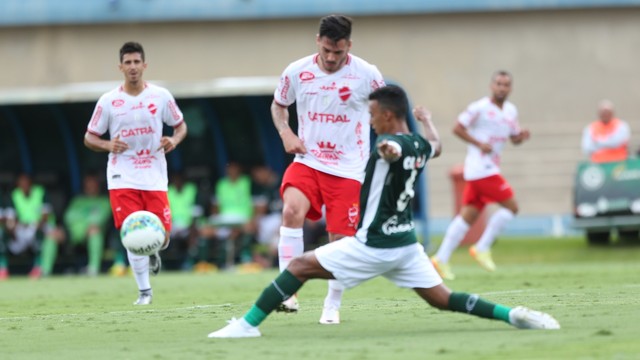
<point x="385" y="243"/>
<point x="134" y="114"/>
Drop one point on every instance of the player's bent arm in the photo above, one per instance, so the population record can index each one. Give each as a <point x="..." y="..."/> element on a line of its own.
<point x="291" y="141"/>
<point x="280" y="117"/>
<point x="521" y="137"/>
<point x="460" y="131"/>
<point x="179" y="133"/>
<point x="95" y="143"/>
<point x="429" y="131"/>
<point x="389" y="151"/>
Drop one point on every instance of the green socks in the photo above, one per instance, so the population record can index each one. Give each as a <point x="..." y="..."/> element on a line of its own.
<point x="278" y="291"/>
<point x="474" y="305"/>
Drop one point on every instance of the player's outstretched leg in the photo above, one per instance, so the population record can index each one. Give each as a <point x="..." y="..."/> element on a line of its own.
<point x="524" y="318"/>
<point x="272" y="296"/>
<point x="520" y="317"/>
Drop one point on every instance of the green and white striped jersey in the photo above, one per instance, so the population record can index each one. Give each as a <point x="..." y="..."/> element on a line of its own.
<point x="387" y="191"/>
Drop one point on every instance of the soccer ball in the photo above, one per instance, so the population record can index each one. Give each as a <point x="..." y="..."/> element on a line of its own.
<point x="142" y="233"/>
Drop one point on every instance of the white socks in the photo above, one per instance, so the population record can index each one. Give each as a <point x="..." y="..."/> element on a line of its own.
<point x="291" y="244"/>
<point x="140" y="266"/>
<point x="452" y="238"/>
<point x="494" y="227"/>
<point x="334" y="295"/>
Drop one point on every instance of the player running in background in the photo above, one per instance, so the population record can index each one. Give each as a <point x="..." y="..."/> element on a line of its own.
<point x="330" y="90"/>
<point x="385" y="243"/>
<point x="485" y="125"/>
<point x="134" y="114"/>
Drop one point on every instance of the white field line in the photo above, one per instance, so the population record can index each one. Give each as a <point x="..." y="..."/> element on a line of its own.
<point x="504" y="292"/>
<point x="146" y="310"/>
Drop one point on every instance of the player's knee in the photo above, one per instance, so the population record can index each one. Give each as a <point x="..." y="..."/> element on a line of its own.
<point x="513" y="208"/>
<point x="292" y="214"/>
<point x="300" y="268"/>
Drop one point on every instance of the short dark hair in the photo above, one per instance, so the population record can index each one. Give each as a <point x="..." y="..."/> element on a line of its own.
<point x="335" y="27"/>
<point x="131" y="47"/>
<point x="392" y="98"/>
<point x="501" y="73"/>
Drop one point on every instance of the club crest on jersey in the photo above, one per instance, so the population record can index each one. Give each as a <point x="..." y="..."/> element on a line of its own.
<point x="353" y="215"/>
<point x="307" y="76"/>
<point x="166" y="213"/>
<point x="143" y="159"/>
<point x="327" y="152"/>
<point x="152" y="108"/>
<point x="344" y="93"/>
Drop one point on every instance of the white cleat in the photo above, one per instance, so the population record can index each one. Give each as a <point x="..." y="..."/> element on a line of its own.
<point x="143" y="299"/>
<point x="237" y="328"/>
<point x="330" y="316"/>
<point x="524" y="318"/>
<point x="290" y="305"/>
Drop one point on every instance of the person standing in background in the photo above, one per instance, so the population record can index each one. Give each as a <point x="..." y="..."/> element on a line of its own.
<point x="134" y="114"/>
<point x="606" y="139"/>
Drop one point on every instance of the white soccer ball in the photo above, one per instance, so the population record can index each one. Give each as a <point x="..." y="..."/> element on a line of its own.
<point x="142" y="233"/>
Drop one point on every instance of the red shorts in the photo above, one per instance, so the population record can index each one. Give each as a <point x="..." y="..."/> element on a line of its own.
<point x="479" y="193"/>
<point x="126" y="201"/>
<point x="340" y="196"/>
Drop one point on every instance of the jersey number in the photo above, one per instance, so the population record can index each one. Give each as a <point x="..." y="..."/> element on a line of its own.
<point x="408" y="193"/>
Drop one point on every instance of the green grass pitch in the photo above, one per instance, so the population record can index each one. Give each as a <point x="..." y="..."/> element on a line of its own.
<point x="593" y="292"/>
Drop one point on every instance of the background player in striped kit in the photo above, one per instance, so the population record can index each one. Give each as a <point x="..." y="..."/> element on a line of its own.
<point x="134" y="114"/>
<point x="486" y="125"/>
